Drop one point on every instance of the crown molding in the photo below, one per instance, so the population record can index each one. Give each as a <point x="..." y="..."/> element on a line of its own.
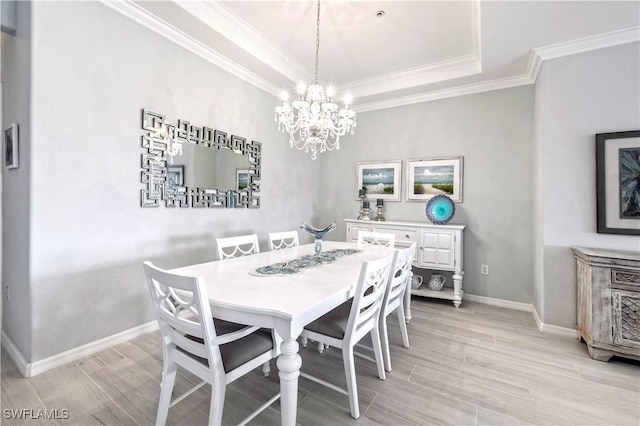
<point x="487" y="86"/>
<point x="587" y="44"/>
<point x="224" y="21"/>
<point x="432" y="73"/>
<point x="142" y="16"/>
<point x="536" y="58"/>
<point x="246" y="37"/>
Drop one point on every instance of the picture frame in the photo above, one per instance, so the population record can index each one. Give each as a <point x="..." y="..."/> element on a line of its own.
<point x="242" y="179"/>
<point x="618" y="182"/>
<point x="175" y="176"/>
<point x="427" y="177"/>
<point x="380" y="179"/>
<point x="11" y="147"/>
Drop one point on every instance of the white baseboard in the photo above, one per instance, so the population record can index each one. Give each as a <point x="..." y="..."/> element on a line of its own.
<point x="539" y="322"/>
<point x="15" y="354"/>
<point x="32" y="369"/>
<point x="518" y="306"/>
<point x="527" y="307"/>
<point x="559" y="331"/>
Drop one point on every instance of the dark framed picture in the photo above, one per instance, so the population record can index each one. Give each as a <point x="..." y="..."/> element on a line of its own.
<point x="618" y="182"/>
<point x="175" y="176"/>
<point x="380" y="180"/>
<point x="11" y="147"/>
<point x="428" y="177"/>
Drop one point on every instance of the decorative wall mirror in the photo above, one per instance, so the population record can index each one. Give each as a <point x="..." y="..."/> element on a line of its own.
<point x="189" y="166"/>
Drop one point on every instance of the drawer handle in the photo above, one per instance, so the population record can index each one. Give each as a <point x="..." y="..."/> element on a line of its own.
<point x="407" y="236"/>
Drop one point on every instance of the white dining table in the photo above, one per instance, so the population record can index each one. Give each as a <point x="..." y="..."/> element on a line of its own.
<point x="285" y="303"/>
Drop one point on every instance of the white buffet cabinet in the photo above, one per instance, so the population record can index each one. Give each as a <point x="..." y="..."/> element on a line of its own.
<point x="438" y="247"/>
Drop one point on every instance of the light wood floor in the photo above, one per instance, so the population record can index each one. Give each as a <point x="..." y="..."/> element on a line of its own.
<point x="476" y="365"/>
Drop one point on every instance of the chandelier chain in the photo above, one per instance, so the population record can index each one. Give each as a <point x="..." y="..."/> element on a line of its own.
<point x="313" y="120"/>
<point x="317" y="41"/>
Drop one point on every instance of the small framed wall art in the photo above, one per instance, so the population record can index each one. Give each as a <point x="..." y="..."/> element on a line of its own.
<point x="11" y="147"/>
<point x="428" y="177"/>
<point x="380" y="180"/>
<point x="242" y="179"/>
<point x="175" y="176"/>
<point x="618" y="182"/>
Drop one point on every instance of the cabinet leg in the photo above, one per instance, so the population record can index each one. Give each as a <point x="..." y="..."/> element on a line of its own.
<point x="457" y="288"/>
<point x="599" y="354"/>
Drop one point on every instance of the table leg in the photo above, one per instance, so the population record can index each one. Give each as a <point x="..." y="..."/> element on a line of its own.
<point x="289" y="363"/>
<point x="407" y="301"/>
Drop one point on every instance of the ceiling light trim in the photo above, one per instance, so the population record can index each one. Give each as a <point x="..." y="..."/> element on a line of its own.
<point x="432" y="73"/>
<point x="145" y="18"/>
<point x="224" y="21"/>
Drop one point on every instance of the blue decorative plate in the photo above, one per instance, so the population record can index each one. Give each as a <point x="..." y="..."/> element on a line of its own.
<point x="440" y="209"/>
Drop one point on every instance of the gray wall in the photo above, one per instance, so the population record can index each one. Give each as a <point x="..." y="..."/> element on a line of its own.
<point x="88" y="233"/>
<point x="74" y="234"/>
<point x="580" y="96"/>
<point x="16" y="194"/>
<point x="493" y="132"/>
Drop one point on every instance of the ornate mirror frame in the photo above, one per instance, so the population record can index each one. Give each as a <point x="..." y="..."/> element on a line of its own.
<point x="161" y="136"/>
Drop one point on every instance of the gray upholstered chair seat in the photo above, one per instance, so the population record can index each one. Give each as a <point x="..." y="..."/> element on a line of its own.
<point x="192" y="339"/>
<point x="333" y="323"/>
<point x="240" y="351"/>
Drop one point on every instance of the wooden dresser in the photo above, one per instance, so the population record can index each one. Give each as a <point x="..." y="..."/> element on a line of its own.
<point x="608" y="292"/>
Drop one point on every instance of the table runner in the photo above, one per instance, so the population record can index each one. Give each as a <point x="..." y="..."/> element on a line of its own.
<point x="298" y="264"/>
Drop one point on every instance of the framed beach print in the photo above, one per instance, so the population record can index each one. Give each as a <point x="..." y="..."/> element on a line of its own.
<point x="175" y="176"/>
<point x="618" y="182"/>
<point x="11" y="147"/>
<point x="242" y="179"/>
<point x="380" y="180"/>
<point x="427" y="177"/>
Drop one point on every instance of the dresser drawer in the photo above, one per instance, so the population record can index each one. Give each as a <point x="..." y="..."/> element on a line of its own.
<point x="625" y="279"/>
<point x="404" y="237"/>
<point x="353" y="230"/>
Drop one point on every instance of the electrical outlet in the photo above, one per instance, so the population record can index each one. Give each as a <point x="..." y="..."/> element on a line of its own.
<point x="484" y="269"/>
<point x="7" y="294"/>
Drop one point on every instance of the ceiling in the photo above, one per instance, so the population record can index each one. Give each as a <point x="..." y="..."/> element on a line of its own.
<point x="417" y="51"/>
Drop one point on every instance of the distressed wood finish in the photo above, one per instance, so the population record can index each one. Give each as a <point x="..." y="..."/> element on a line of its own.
<point x="608" y="290"/>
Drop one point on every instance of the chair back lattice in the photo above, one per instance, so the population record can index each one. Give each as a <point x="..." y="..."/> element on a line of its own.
<point x="400" y="274"/>
<point x="182" y="309"/>
<point x="368" y="298"/>
<point x="370" y="238"/>
<point x="282" y="240"/>
<point x="237" y="246"/>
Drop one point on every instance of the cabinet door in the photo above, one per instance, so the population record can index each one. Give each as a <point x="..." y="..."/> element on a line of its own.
<point x="626" y="318"/>
<point x="437" y="249"/>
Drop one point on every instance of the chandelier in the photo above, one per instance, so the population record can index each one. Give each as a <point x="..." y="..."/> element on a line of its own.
<point x="313" y="121"/>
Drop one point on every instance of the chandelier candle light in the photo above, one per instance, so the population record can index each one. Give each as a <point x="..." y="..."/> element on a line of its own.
<point x="313" y="121"/>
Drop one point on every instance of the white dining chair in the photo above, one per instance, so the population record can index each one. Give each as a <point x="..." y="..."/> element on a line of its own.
<point x="282" y="240"/>
<point x="347" y="324"/>
<point x="216" y="351"/>
<point x="394" y="300"/>
<point x="376" y="239"/>
<point x="243" y="245"/>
